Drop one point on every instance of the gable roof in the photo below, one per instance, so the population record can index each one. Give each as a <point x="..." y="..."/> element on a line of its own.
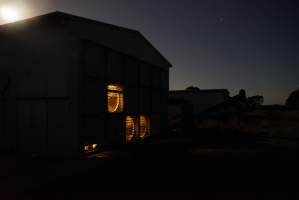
<point x="127" y="41"/>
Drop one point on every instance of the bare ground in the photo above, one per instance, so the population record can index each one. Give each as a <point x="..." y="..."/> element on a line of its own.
<point x="176" y="168"/>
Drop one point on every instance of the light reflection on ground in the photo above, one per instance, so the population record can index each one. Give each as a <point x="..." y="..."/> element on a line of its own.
<point x="101" y="155"/>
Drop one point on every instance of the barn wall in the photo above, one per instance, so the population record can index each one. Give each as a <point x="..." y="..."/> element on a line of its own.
<point x="92" y="95"/>
<point x="128" y="41"/>
<point x="145" y="93"/>
<point x="32" y="124"/>
<point x="32" y="61"/>
<point x="50" y="100"/>
<point x="62" y="140"/>
<point x="39" y="73"/>
<point x="9" y="125"/>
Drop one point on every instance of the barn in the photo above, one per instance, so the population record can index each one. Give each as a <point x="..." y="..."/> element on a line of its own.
<point x="69" y="85"/>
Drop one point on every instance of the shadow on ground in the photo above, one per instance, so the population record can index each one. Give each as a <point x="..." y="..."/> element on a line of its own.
<point x="179" y="167"/>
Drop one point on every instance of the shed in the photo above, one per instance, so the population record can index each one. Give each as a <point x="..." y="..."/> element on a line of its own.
<point x="69" y="85"/>
<point x="200" y="99"/>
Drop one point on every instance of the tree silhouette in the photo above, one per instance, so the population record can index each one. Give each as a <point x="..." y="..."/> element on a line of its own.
<point x="242" y="94"/>
<point x="293" y="100"/>
<point x="255" y="100"/>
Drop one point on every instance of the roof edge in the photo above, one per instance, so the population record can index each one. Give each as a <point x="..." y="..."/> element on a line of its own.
<point x="89" y="20"/>
<point x="149" y="43"/>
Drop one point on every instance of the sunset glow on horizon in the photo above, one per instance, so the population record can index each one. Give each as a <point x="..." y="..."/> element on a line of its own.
<point x="212" y="44"/>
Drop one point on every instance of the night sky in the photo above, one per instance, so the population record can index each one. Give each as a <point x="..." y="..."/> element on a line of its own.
<point x="233" y="44"/>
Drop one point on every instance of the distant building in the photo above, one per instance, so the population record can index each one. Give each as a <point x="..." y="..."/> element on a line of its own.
<point x="70" y="84"/>
<point x="185" y="103"/>
<point x="200" y="99"/>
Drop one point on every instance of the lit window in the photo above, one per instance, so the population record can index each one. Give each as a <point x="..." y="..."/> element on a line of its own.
<point x="131" y="128"/>
<point x="137" y="128"/>
<point x="144" y="126"/>
<point x="115" y="98"/>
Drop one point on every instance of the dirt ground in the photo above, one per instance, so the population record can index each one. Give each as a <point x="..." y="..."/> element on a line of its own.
<point x="154" y="170"/>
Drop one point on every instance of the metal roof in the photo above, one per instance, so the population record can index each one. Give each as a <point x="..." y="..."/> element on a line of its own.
<point x="124" y="40"/>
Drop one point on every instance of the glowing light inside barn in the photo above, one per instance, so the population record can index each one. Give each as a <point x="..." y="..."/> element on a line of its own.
<point x="115" y="98"/>
<point x="131" y="128"/>
<point x="137" y="128"/>
<point x="144" y="126"/>
<point x="89" y="148"/>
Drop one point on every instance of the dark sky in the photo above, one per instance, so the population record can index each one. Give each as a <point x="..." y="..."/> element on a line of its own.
<point x="233" y="44"/>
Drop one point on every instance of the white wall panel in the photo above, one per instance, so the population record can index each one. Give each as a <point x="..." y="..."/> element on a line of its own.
<point x="145" y="100"/>
<point x="115" y="128"/>
<point x="115" y="67"/>
<point x="93" y="130"/>
<point x="61" y="141"/>
<point x="10" y="125"/>
<point x="93" y="97"/>
<point x="131" y="71"/>
<point x="131" y="99"/>
<point x="156" y="101"/>
<point x="94" y="61"/>
<point x="156" y="77"/>
<point x="145" y="75"/>
<point x="155" y="124"/>
<point x="32" y="127"/>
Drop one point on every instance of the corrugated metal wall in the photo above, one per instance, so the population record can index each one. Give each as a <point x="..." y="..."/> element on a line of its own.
<point x="145" y="93"/>
<point x="38" y="112"/>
